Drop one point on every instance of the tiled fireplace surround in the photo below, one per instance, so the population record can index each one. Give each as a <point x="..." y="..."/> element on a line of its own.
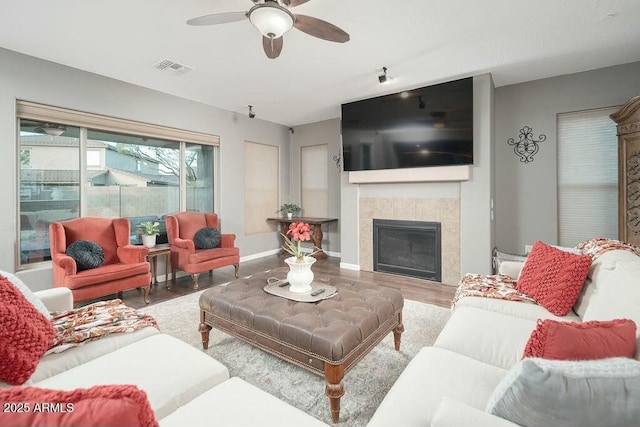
<point x="443" y="210"/>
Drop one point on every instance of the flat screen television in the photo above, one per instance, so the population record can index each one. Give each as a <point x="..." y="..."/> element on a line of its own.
<point x="429" y="126"/>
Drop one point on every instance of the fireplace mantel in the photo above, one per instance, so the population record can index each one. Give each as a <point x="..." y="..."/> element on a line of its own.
<point x="431" y="174"/>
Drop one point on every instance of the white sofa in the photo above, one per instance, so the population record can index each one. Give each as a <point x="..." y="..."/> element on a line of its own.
<point x="184" y="385"/>
<point x="450" y="383"/>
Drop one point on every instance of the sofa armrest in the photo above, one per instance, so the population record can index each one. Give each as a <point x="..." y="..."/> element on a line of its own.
<point x="66" y="263"/>
<point x="227" y="240"/>
<point x="184" y="244"/>
<point x="130" y="254"/>
<point x="56" y="299"/>
<point x="451" y="413"/>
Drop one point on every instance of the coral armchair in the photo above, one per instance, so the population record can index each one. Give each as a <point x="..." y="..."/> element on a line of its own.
<point x="181" y="228"/>
<point x="125" y="266"/>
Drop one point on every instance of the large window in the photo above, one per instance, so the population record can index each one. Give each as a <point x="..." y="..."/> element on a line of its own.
<point x="128" y="170"/>
<point x="587" y="176"/>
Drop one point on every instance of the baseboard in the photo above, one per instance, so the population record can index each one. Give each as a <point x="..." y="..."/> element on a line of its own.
<point x="347" y="266"/>
<point x="259" y="255"/>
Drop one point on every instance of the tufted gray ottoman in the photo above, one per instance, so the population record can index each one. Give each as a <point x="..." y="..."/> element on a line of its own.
<point x="327" y="338"/>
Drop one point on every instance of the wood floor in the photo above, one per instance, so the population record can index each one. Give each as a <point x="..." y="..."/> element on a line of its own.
<point x="412" y="289"/>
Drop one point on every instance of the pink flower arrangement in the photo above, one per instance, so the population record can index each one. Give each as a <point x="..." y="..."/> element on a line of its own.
<point x="299" y="232"/>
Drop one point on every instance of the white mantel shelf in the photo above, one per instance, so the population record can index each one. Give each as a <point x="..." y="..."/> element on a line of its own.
<point x="430" y="174"/>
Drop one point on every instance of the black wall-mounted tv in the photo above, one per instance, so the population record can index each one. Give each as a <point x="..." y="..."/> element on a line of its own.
<point x="429" y="126"/>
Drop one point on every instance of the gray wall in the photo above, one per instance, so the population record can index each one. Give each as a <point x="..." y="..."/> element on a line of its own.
<point x="526" y="194"/>
<point x="31" y="79"/>
<point x="324" y="132"/>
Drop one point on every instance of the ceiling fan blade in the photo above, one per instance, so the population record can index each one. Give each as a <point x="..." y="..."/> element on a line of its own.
<point x="272" y="47"/>
<point x="294" y="3"/>
<point x="320" y="29"/>
<point x="218" y="18"/>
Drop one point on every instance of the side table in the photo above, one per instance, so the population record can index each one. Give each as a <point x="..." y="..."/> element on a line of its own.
<point x="152" y="257"/>
<point x="316" y="236"/>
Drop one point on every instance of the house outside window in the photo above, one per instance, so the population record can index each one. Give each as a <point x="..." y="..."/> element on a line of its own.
<point x="127" y="175"/>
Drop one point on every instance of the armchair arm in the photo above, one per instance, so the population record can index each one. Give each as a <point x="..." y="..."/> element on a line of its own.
<point x="227" y="240"/>
<point x="184" y="244"/>
<point x="56" y="299"/>
<point x="451" y="413"/>
<point x="66" y="263"/>
<point x="130" y="254"/>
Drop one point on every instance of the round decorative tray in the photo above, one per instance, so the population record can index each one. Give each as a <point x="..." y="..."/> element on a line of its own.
<point x="318" y="292"/>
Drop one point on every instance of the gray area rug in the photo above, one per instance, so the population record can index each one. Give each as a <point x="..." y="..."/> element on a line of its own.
<point x="365" y="385"/>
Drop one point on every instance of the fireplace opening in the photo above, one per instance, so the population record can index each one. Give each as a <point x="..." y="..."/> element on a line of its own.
<point x="409" y="248"/>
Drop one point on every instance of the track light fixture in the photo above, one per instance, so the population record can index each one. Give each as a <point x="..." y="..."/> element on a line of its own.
<point x="421" y="104"/>
<point x="384" y="78"/>
<point x="251" y="113"/>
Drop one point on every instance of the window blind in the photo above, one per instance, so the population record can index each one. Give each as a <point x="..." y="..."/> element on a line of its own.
<point x="260" y="187"/>
<point x="587" y="176"/>
<point x="314" y="170"/>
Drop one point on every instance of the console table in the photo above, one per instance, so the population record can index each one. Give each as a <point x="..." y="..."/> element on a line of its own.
<point x="316" y="236"/>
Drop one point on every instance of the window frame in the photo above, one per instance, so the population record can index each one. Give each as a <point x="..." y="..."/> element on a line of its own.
<point x="50" y="114"/>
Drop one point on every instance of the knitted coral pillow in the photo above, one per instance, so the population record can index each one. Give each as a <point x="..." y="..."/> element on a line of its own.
<point x="25" y="335"/>
<point x="554" y="278"/>
<point x="582" y="341"/>
<point x="104" y="405"/>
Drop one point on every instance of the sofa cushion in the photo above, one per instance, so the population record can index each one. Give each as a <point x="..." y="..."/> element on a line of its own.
<point x="582" y="341"/>
<point x="207" y="238"/>
<point x="493" y="338"/>
<point x="452" y="413"/>
<point x="593" y="393"/>
<point x="106" y="273"/>
<point x="514" y="308"/>
<point x="25" y="335"/>
<point x="87" y="254"/>
<point x="221" y="406"/>
<point x="553" y="277"/>
<point x="598" y="280"/>
<point x="433" y="373"/>
<point x="56" y="363"/>
<point x="105" y="405"/>
<point x="142" y="364"/>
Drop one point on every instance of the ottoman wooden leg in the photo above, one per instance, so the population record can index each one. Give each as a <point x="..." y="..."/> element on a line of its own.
<point x="397" y="332"/>
<point x="334" y="374"/>
<point x="204" y="330"/>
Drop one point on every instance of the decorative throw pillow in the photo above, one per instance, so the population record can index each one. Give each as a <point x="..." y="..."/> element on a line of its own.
<point x="87" y="254"/>
<point x="538" y="392"/>
<point x="582" y="341"/>
<point x="207" y="238"/>
<point x="104" y="405"/>
<point x="25" y="335"/>
<point x="30" y="296"/>
<point x="553" y="277"/>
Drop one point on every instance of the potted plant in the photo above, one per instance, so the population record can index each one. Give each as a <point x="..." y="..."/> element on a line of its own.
<point x="149" y="232"/>
<point x="289" y="209"/>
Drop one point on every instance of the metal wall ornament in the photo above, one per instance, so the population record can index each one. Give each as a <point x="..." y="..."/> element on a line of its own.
<point x="526" y="147"/>
<point x="337" y="159"/>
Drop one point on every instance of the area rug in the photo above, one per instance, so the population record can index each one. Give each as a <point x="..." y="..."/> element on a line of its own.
<point x="365" y="385"/>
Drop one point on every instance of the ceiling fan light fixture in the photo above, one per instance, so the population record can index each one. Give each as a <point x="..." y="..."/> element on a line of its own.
<point x="271" y="19"/>
<point x="53" y="130"/>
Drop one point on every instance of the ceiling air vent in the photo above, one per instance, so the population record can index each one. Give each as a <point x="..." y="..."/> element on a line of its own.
<point x="171" y="66"/>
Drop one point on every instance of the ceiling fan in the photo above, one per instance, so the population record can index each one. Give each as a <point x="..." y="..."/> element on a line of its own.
<point x="273" y="18"/>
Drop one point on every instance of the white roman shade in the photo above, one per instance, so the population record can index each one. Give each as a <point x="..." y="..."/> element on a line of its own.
<point x="587" y="176"/>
